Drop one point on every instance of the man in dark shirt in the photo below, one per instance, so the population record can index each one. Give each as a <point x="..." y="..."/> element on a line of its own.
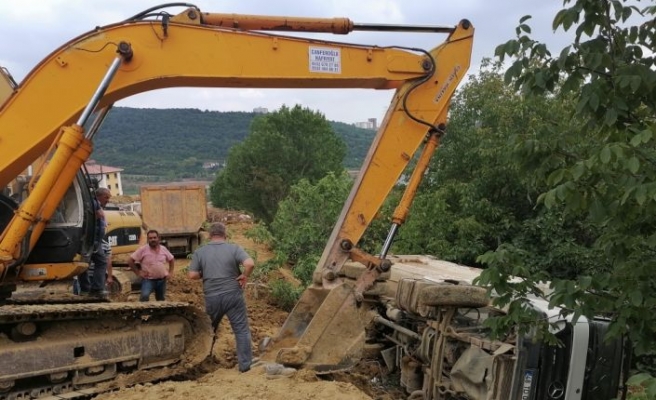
<point x="217" y="264"/>
<point x="95" y="286"/>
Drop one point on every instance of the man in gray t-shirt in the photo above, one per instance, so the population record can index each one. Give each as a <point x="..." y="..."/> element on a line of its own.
<point x="217" y="264"/>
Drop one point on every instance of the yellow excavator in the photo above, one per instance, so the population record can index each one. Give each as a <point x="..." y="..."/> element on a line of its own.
<point x="427" y="327"/>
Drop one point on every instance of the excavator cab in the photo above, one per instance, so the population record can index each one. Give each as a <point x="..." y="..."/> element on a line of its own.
<point x="70" y="231"/>
<point x="68" y="235"/>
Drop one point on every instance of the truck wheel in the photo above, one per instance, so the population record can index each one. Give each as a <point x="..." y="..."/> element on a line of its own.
<point x="114" y="287"/>
<point x="195" y="242"/>
<point x="446" y="294"/>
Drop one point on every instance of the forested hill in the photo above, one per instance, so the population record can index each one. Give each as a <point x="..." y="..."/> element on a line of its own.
<point x="176" y="142"/>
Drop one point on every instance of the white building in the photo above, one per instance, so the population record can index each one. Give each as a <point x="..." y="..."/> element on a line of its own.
<point x="108" y="177"/>
<point x="371" y="123"/>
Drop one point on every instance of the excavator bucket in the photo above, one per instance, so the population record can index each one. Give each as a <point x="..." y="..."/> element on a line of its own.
<point x="324" y="332"/>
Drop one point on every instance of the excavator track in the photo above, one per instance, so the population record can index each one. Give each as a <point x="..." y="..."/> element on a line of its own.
<point x="70" y="351"/>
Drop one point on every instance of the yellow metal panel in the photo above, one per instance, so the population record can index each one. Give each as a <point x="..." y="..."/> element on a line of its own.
<point x="6" y="86"/>
<point x="51" y="272"/>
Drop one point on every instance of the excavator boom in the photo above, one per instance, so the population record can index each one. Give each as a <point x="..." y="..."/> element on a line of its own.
<point x="181" y="55"/>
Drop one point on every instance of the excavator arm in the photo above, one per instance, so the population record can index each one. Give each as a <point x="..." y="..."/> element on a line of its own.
<point x="186" y="50"/>
<point x="193" y="49"/>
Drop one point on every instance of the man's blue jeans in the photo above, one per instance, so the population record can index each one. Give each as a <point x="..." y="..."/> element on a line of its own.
<point x="150" y="285"/>
<point x="96" y="282"/>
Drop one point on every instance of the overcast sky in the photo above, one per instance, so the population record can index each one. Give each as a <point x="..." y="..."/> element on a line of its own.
<point x="31" y="29"/>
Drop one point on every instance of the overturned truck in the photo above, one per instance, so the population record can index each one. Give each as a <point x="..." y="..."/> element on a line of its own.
<point x="425" y="319"/>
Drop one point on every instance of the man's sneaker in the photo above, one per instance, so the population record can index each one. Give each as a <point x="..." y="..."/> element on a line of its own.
<point x="254" y="363"/>
<point x="279" y="370"/>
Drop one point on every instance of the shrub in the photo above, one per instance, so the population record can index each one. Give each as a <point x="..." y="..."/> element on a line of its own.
<point x="306" y="217"/>
<point x="284" y="294"/>
<point x="259" y="234"/>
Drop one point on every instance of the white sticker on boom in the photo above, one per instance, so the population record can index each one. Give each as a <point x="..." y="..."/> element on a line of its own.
<point x="325" y="59"/>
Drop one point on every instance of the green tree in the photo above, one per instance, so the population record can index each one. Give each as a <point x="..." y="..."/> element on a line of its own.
<point x="476" y="195"/>
<point x="305" y="219"/>
<point x="609" y="178"/>
<point x="472" y="197"/>
<point x="282" y="148"/>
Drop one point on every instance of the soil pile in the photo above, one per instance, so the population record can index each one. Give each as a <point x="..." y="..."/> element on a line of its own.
<point x="230" y="384"/>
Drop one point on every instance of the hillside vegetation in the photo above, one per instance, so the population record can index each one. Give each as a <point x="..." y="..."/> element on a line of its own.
<point x="174" y="143"/>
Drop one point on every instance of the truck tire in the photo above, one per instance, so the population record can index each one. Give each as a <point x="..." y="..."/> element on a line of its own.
<point x="195" y="243"/>
<point x="446" y="294"/>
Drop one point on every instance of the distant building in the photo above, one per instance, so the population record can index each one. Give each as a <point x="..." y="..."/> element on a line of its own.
<point x="108" y="177"/>
<point x="212" y="164"/>
<point x="371" y="123"/>
<point x="261" y="110"/>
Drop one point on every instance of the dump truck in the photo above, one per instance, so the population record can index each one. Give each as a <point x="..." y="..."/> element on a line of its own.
<point x="430" y="328"/>
<point x="177" y="212"/>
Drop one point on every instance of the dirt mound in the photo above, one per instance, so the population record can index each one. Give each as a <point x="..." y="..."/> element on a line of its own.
<point x="264" y="319"/>
<point x="229" y="384"/>
<point x="227" y="216"/>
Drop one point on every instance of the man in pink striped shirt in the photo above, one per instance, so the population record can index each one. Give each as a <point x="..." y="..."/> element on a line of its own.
<point x="153" y="259"/>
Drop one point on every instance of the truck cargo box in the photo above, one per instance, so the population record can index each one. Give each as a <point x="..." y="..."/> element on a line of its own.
<point x="177" y="212"/>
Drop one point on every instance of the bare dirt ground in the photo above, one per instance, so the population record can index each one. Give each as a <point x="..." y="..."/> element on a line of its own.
<point x="220" y="378"/>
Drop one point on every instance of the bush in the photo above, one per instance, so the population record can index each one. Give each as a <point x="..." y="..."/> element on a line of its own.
<point x="261" y="271"/>
<point x="259" y="234"/>
<point x="285" y="294"/>
<point x="306" y="217"/>
<point x="642" y="387"/>
<point x="304" y="268"/>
